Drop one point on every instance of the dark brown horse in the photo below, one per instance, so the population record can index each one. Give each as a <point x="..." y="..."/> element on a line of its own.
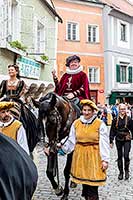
<point x="56" y="114"/>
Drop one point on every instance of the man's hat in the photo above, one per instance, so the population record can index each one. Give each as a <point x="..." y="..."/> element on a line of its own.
<point x="6" y="105"/>
<point x="90" y="103"/>
<point x="71" y="58"/>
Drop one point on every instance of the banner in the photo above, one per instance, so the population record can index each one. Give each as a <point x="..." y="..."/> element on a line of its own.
<point x="28" y="67"/>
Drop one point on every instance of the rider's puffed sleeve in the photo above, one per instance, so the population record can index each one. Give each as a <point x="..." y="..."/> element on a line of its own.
<point x="104" y="143"/>
<point x="69" y="142"/>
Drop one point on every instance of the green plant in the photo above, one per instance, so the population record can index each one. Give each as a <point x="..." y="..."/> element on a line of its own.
<point x="44" y="57"/>
<point x="18" y="45"/>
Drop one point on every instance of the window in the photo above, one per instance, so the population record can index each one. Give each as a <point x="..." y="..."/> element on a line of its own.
<point x="14" y="22"/>
<point x="9" y="21"/>
<point x="123" y="32"/>
<point x="94" y="75"/>
<point x="93" y="33"/>
<point x="124" y="73"/>
<point x="72" y="31"/>
<point x="40" y="37"/>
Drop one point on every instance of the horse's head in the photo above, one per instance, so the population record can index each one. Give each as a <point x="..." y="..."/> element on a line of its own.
<point x="56" y="115"/>
<point x="48" y="114"/>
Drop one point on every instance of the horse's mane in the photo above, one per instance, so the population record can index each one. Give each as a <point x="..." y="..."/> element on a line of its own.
<point x="60" y="111"/>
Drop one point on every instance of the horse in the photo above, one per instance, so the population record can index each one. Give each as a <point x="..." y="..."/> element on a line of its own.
<point x="56" y="115"/>
<point x="22" y="113"/>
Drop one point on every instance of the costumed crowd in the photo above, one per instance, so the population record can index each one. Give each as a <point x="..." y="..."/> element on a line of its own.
<point x="91" y="136"/>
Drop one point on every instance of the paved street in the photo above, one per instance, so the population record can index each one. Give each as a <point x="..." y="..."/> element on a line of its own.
<point x="114" y="189"/>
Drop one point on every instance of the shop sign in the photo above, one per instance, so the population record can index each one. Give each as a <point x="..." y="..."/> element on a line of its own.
<point x="29" y="68"/>
<point x="122" y="94"/>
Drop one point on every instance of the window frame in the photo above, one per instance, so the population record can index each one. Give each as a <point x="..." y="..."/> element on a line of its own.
<point x="96" y="26"/>
<point x="95" y="75"/>
<point x="71" y="31"/>
<point x="40" y="44"/>
<point x="119" y="73"/>
<point x="123" y="36"/>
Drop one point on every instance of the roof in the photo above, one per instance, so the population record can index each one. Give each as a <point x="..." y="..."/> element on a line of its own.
<point x="120" y="5"/>
<point x="91" y="1"/>
<point x="52" y="9"/>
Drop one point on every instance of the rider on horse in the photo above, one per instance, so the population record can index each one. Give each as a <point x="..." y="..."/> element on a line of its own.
<point x="74" y="83"/>
<point x="13" y="89"/>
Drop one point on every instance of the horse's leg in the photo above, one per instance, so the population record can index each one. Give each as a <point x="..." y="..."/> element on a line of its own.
<point x="51" y="172"/>
<point x="67" y="176"/>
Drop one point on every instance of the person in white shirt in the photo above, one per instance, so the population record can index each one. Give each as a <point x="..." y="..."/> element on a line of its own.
<point x="11" y="127"/>
<point x="89" y="138"/>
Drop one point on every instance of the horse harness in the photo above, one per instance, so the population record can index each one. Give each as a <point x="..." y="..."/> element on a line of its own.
<point x="55" y="116"/>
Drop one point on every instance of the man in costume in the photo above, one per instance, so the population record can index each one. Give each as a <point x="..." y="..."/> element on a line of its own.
<point x="74" y="83"/>
<point x="12" y="127"/>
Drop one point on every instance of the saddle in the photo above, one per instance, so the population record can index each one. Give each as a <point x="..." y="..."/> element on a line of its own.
<point x="75" y="104"/>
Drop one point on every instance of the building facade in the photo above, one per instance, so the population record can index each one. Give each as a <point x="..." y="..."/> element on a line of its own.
<point x="28" y="37"/>
<point x="81" y="33"/>
<point x="118" y="51"/>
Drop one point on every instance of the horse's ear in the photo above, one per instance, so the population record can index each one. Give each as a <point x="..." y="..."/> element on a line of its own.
<point x="53" y="100"/>
<point x="36" y="103"/>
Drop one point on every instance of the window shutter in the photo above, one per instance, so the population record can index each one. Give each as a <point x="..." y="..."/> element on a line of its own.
<point x="27" y="34"/>
<point x="130" y="74"/>
<point x="117" y="73"/>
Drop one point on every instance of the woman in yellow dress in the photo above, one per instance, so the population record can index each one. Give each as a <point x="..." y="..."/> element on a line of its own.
<point x="90" y="141"/>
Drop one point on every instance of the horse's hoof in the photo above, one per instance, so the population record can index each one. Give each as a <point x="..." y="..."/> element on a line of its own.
<point x="59" y="191"/>
<point x="73" y="185"/>
<point x="64" y="197"/>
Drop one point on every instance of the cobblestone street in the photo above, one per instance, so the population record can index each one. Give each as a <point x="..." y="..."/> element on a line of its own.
<point x="114" y="189"/>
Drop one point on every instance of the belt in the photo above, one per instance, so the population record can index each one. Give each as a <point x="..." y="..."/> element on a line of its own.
<point x="87" y="143"/>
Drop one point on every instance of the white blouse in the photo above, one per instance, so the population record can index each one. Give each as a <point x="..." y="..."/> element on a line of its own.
<point x="68" y="143"/>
